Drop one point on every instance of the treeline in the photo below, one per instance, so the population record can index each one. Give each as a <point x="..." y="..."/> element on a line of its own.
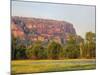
<point x="74" y="48"/>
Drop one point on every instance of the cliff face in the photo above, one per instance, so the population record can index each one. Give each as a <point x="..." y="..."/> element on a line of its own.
<point x="40" y="29"/>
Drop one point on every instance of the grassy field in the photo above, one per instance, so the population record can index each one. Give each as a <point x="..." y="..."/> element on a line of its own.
<point x="34" y="66"/>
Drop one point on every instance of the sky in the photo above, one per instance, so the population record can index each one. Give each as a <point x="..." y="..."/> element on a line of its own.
<point x="81" y="16"/>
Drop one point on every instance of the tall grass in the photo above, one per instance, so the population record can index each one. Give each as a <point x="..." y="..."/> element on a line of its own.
<point x="34" y="66"/>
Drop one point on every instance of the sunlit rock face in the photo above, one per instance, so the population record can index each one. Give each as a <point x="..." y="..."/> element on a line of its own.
<point x="40" y="29"/>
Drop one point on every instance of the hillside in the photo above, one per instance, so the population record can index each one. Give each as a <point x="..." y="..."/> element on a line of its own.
<point x="33" y="29"/>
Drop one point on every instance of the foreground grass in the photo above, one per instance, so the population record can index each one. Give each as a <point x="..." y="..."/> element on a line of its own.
<point x="34" y="66"/>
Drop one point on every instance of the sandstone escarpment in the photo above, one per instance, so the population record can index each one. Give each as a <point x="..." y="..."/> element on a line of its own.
<point x="40" y="29"/>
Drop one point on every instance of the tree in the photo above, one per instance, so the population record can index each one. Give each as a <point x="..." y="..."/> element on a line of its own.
<point x="13" y="47"/>
<point x="91" y="45"/>
<point x="80" y="42"/>
<point x="54" y="50"/>
<point x="71" y="50"/>
<point x="20" y="53"/>
<point x="82" y="50"/>
<point x="90" y="37"/>
<point x="39" y="52"/>
<point x="18" y="50"/>
<point x="30" y="53"/>
<point x="36" y="52"/>
<point x="71" y="39"/>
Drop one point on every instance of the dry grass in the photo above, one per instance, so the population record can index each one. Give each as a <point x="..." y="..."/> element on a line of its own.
<point x="34" y="66"/>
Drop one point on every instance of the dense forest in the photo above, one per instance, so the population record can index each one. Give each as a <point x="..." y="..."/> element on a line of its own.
<point x="75" y="47"/>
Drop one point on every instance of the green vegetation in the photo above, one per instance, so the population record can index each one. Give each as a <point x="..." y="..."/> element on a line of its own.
<point x="75" y="47"/>
<point x="91" y="44"/>
<point x="54" y="50"/>
<point x="71" y="50"/>
<point x="36" y="52"/>
<point x="18" y="50"/>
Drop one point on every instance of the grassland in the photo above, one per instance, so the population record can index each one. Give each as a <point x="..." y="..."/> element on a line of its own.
<point x="35" y="66"/>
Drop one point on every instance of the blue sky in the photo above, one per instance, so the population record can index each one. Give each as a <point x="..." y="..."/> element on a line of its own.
<point x="82" y="17"/>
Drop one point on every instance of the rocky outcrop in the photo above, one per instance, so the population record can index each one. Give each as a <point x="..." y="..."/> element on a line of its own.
<point x="43" y="29"/>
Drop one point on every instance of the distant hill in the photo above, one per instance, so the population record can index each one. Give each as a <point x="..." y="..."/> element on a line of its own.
<point x="32" y="29"/>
